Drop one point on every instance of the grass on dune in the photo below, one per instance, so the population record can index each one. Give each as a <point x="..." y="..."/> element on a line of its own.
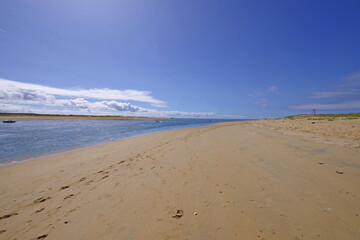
<point x="329" y="117"/>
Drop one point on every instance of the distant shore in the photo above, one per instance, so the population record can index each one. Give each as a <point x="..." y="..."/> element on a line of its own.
<point x="31" y="116"/>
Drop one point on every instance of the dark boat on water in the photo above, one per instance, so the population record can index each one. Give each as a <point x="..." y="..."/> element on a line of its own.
<point x="9" y="121"/>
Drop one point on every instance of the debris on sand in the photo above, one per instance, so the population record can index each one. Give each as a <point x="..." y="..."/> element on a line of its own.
<point x="179" y="213"/>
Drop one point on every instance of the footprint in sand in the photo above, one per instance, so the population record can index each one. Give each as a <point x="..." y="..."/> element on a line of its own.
<point x="41" y="237"/>
<point x="68" y="196"/>
<point x="2" y="231"/>
<point x="40" y="210"/>
<point x="8" y="215"/>
<point x="88" y="182"/>
<point x="72" y="210"/>
<point x="82" y="179"/>
<point x="64" y="187"/>
<point x="42" y="199"/>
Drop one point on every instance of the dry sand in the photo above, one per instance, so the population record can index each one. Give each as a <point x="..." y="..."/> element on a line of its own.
<point x="339" y="131"/>
<point x="231" y="180"/>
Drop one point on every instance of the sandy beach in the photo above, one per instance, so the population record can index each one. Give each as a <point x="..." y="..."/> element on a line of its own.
<point x="234" y="180"/>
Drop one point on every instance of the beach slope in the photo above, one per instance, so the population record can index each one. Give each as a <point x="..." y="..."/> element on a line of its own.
<point x="234" y="180"/>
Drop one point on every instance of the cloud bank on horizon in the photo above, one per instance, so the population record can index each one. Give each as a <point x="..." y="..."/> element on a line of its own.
<point x="19" y="97"/>
<point x="34" y="98"/>
<point x="14" y="89"/>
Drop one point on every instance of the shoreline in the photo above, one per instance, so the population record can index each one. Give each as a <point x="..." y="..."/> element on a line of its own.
<point x="97" y="144"/>
<point x="231" y="180"/>
<point x="267" y="123"/>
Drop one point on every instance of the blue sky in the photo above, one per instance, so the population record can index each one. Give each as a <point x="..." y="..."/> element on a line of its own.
<point x="234" y="59"/>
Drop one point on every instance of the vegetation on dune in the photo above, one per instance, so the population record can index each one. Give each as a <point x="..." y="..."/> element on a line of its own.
<point x="329" y="117"/>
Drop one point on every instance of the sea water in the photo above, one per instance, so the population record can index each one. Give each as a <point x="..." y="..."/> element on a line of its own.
<point x="28" y="139"/>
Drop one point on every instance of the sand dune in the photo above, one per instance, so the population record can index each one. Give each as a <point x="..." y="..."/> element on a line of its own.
<point x="233" y="180"/>
<point x="338" y="131"/>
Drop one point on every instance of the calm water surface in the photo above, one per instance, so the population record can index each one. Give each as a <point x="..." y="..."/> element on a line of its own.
<point x="33" y="138"/>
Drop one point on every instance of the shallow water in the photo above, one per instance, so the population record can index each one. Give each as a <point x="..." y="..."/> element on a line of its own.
<point x="33" y="138"/>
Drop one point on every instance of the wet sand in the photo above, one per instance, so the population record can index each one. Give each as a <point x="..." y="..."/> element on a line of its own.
<point x="239" y="180"/>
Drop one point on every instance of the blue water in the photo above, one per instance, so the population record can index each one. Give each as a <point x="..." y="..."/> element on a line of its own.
<point x="33" y="138"/>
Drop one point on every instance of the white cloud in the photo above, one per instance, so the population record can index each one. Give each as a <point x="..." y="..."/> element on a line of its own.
<point x="272" y="89"/>
<point x="352" y="80"/>
<point x="25" y="95"/>
<point x="345" y="95"/>
<point x="329" y="106"/>
<point x="346" y="87"/>
<point x="13" y="89"/>
<point x="104" y="108"/>
<point x="179" y="114"/>
<point x="51" y="101"/>
<point x="13" y="108"/>
<point x="122" y="106"/>
<point x="261" y="97"/>
<point x="332" y="94"/>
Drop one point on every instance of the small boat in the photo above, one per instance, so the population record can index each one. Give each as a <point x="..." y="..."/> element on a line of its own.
<point x="9" y="121"/>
